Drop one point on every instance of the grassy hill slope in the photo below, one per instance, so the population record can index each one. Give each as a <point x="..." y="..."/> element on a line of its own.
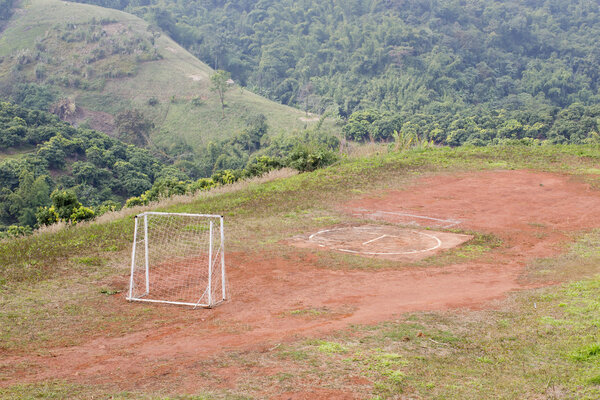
<point x="107" y="61"/>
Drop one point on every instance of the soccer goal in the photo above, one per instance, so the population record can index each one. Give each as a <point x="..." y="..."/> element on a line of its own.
<point x="178" y="259"/>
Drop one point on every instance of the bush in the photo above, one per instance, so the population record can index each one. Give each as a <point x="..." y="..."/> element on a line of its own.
<point x="107" y="206"/>
<point x="14" y="231"/>
<point x="81" y="213"/>
<point x="226" y="177"/>
<point x="261" y="165"/>
<point x="166" y="187"/>
<point x="309" y="157"/>
<point x="65" y="203"/>
<point x="202" y="184"/>
<point x="32" y="95"/>
<point x="65" y="207"/>
<point x="46" y="216"/>
<point x="136" y="201"/>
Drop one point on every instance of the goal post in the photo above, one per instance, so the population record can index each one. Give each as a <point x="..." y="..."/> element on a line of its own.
<point x="178" y="258"/>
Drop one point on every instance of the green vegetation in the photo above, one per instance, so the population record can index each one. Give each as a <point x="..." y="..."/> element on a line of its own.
<point x="436" y="57"/>
<point x="444" y="71"/>
<point x="101" y="172"/>
<point x="220" y="82"/>
<point x="104" y="62"/>
<point x="528" y="124"/>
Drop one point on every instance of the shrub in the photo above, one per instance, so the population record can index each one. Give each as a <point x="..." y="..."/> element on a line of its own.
<point x="226" y="177"/>
<point x="166" y="187"/>
<point x="81" y="213"/>
<point x="65" y="203"/>
<point x="309" y="157"/>
<point x="261" y="165"/>
<point x="17" y="230"/>
<point x="136" y="201"/>
<point x="107" y="206"/>
<point x="202" y="184"/>
<point x="46" y="216"/>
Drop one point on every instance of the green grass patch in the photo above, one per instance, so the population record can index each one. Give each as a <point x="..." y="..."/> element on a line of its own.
<point x="581" y="257"/>
<point x="480" y="245"/>
<point x="90" y="261"/>
<point x="309" y="312"/>
<point x="588" y="353"/>
<point x="330" y="347"/>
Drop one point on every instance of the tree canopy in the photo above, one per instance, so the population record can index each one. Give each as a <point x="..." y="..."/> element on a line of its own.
<point x="398" y="56"/>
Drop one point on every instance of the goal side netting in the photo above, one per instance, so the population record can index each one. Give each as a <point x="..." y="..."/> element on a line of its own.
<point x="178" y="259"/>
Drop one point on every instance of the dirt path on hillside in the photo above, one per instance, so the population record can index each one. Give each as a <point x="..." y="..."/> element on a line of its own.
<point x="534" y="214"/>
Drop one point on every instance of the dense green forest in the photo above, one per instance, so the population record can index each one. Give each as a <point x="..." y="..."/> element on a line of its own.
<point x="50" y="170"/>
<point x="432" y="56"/>
<point x="458" y="72"/>
<point x="39" y="153"/>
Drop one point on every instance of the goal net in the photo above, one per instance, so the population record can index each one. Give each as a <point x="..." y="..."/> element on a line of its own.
<point x="178" y="259"/>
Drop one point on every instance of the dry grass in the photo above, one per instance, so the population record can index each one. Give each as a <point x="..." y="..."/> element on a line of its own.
<point x="360" y="150"/>
<point x="173" y="201"/>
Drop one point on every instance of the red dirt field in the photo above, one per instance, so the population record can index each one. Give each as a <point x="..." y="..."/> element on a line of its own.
<point x="534" y="214"/>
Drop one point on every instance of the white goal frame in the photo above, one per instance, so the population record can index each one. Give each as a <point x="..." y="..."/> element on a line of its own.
<point x="204" y="266"/>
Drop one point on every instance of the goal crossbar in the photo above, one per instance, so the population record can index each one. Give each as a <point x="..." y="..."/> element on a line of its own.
<point x="178" y="258"/>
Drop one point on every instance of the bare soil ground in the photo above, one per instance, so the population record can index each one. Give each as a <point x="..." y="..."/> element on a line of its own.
<point x="535" y="214"/>
<point x="98" y="120"/>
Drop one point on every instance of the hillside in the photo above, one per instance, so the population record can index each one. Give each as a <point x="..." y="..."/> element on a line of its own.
<point x="42" y="157"/>
<point x="396" y="56"/>
<point x="106" y="62"/>
<point x="512" y="313"/>
<point x="39" y="153"/>
<point x="453" y="72"/>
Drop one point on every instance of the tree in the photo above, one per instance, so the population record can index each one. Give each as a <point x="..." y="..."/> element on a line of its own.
<point x="133" y="127"/>
<point x="219" y="82"/>
<point x="65" y="207"/>
<point x="64" y="202"/>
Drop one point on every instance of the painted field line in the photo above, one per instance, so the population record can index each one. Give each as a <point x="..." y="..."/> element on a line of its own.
<point x="372" y="240"/>
<point x="449" y="222"/>
<point x="438" y="243"/>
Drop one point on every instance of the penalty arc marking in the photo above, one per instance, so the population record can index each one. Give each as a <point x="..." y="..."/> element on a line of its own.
<point x="438" y="243"/>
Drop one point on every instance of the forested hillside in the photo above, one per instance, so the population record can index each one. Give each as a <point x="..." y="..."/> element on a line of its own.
<point x="92" y="65"/>
<point x="443" y="71"/>
<point x="50" y="170"/>
<point x="403" y="55"/>
<point x="39" y="153"/>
